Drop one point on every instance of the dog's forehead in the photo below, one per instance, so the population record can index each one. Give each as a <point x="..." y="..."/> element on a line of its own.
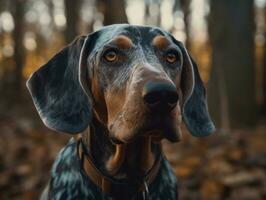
<point x="138" y="34"/>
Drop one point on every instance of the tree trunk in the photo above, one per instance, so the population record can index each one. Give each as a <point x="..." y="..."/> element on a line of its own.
<point x="50" y="5"/>
<point x="114" y="11"/>
<point x="264" y="83"/>
<point x="3" y="5"/>
<point x="72" y="9"/>
<point x="264" y="70"/>
<point x="232" y="85"/>
<point x="18" y="11"/>
<point x="151" y="18"/>
<point x="185" y="4"/>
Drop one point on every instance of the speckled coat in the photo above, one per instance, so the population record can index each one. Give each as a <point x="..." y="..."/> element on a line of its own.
<point x="61" y="92"/>
<point x="69" y="181"/>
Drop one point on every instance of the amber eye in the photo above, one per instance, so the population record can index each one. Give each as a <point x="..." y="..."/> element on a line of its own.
<point x="171" y="57"/>
<point x="110" y="56"/>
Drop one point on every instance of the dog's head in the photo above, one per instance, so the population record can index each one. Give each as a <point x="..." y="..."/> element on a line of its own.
<point x="135" y="80"/>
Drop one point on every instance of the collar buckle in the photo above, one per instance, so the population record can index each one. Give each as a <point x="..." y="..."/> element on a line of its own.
<point x="145" y="193"/>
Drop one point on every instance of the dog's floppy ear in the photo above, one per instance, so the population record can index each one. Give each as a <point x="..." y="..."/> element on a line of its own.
<point x="195" y="111"/>
<point x="56" y="91"/>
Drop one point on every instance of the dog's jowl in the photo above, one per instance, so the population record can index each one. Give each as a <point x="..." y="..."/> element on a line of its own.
<point x="120" y="90"/>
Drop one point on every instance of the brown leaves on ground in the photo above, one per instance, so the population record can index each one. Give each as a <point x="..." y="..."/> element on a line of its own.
<point x="222" y="166"/>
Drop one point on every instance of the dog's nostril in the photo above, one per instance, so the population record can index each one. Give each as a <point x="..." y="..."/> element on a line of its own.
<point x="172" y="98"/>
<point x="152" y="98"/>
<point x="160" y="95"/>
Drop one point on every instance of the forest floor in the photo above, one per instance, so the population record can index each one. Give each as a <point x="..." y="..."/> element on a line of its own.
<point x="222" y="166"/>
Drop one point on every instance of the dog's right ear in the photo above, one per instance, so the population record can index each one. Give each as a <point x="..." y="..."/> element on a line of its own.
<point x="56" y="90"/>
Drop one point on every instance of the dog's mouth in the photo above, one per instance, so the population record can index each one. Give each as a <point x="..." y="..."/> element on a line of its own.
<point x="158" y="126"/>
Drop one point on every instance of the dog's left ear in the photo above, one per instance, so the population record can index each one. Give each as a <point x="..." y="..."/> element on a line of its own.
<point x="194" y="110"/>
<point x="56" y="90"/>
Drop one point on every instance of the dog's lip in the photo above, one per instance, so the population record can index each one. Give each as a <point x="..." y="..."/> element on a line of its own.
<point x="159" y="134"/>
<point x="156" y="135"/>
<point x="157" y="127"/>
<point x="116" y="141"/>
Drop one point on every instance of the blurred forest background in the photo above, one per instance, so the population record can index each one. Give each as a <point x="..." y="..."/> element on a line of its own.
<point x="227" y="38"/>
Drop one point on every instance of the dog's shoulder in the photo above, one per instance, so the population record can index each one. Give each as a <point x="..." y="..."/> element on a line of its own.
<point x="68" y="180"/>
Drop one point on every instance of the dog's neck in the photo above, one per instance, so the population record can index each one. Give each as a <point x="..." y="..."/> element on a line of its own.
<point x="120" y="161"/>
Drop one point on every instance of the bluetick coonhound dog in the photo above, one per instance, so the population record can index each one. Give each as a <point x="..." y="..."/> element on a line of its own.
<point x="121" y="90"/>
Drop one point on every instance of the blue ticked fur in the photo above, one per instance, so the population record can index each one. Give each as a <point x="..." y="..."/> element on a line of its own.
<point x="69" y="182"/>
<point x="79" y="90"/>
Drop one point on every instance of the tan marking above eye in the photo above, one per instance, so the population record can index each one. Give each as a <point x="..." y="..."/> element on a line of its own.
<point x="171" y="57"/>
<point x="110" y="56"/>
<point x="123" y="42"/>
<point x="161" y="42"/>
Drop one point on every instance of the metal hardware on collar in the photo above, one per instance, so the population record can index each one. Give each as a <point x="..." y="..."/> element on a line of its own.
<point x="145" y="193"/>
<point x="113" y="187"/>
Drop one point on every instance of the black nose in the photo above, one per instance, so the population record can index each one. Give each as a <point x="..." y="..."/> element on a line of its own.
<point x="160" y="96"/>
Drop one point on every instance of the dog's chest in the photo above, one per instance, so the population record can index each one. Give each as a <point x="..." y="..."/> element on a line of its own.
<point x="68" y="180"/>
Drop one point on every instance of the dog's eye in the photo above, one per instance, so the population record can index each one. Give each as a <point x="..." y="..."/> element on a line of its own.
<point x="110" y="56"/>
<point x="171" y="57"/>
